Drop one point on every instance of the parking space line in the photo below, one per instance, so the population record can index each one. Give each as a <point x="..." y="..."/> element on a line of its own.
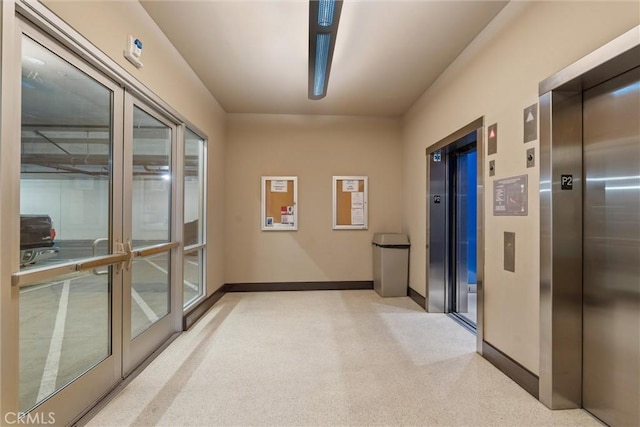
<point x="192" y="262"/>
<point x="51" y="366"/>
<point x="189" y="284"/>
<point x="37" y="287"/>
<point x="151" y="315"/>
<point x="156" y="266"/>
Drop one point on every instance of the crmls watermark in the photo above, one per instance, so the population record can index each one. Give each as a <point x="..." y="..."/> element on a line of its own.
<point x="39" y="418"/>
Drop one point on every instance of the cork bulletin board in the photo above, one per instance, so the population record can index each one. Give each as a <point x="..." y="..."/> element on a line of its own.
<point x="279" y="203"/>
<point x="350" y="195"/>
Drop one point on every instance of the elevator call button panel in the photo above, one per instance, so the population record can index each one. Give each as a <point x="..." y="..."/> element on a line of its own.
<point x="492" y="139"/>
<point x="530" y="123"/>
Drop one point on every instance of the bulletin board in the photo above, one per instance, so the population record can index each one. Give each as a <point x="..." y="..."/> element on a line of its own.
<point x="279" y="203"/>
<point x="350" y="194"/>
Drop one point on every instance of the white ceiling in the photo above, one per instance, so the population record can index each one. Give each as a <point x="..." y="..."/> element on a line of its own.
<point x="253" y="55"/>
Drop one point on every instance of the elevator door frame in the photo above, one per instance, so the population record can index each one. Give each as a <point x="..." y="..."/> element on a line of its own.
<point x="437" y="274"/>
<point x="561" y="101"/>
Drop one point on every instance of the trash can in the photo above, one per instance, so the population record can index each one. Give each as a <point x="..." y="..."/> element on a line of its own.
<point x="391" y="264"/>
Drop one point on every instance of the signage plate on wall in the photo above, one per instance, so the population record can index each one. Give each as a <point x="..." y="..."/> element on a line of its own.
<point x="492" y="138"/>
<point x="510" y="251"/>
<point x="531" y="123"/>
<point x="510" y="196"/>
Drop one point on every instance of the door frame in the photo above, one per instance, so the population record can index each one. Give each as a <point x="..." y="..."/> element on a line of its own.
<point x="436" y="282"/>
<point x="560" y="385"/>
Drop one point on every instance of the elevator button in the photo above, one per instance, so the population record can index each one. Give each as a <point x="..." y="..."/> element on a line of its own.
<point x="531" y="158"/>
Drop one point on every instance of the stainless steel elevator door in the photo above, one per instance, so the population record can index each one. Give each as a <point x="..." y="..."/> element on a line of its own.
<point x="611" y="267"/>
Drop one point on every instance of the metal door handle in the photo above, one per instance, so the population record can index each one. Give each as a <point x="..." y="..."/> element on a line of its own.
<point x="95" y="254"/>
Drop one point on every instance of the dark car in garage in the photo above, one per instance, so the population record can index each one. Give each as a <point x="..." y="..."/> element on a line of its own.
<point x="36" y="239"/>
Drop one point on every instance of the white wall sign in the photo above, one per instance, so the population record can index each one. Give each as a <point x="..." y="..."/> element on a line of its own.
<point x="279" y="186"/>
<point x="350" y="185"/>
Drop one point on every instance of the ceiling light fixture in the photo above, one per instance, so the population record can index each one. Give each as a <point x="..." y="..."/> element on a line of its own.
<point x="35" y="61"/>
<point x="324" y="16"/>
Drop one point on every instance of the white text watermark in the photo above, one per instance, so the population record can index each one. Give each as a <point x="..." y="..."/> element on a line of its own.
<point x="39" y="418"/>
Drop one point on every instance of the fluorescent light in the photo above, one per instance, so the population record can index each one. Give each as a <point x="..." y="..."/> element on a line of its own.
<point x="322" y="54"/>
<point x="324" y="17"/>
<point x="35" y="61"/>
<point x="325" y="12"/>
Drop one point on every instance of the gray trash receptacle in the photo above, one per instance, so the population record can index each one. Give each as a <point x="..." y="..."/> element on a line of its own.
<point x="391" y="264"/>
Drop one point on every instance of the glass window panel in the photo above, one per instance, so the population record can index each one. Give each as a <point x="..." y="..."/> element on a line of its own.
<point x="194" y="220"/>
<point x="64" y="331"/>
<point x="193" y="189"/>
<point x="151" y="208"/>
<point x="150" y="297"/>
<point x="193" y="276"/>
<point x="65" y="192"/>
<point x="65" y="179"/>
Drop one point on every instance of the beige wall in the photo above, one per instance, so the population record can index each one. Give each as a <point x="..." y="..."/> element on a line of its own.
<point x="314" y="149"/>
<point x="496" y="77"/>
<point x="107" y="24"/>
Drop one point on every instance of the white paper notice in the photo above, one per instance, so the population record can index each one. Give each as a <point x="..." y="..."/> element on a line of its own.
<point x="349" y="185"/>
<point x="286" y="219"/>
<point x="279" y="186"/>
<point x="357" y="216"/>
<point x="357" y="200"/>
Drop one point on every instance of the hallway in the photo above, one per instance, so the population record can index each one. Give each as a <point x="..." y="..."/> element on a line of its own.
<point x="325" y="358"/>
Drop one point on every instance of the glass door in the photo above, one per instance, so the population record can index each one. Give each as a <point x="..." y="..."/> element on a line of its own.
<point x="150" y="299"/>
<point x="68" y="287"/>
<point x="97" y="269"/>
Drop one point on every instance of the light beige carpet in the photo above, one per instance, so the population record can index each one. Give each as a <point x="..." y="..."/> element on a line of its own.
<point x="325" y="358"/>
